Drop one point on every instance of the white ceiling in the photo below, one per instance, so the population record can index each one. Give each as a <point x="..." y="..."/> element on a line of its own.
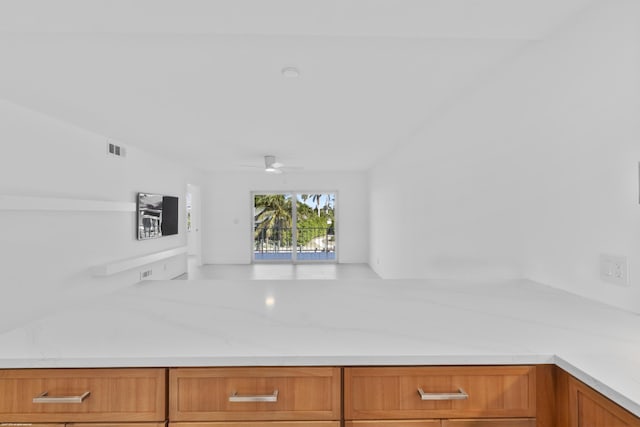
<point x="200" y="80"/>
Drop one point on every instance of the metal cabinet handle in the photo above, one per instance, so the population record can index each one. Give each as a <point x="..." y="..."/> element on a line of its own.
<point x="460" y="395"/>
<point x="254" y="398"/>
<point x="45" y="398"/>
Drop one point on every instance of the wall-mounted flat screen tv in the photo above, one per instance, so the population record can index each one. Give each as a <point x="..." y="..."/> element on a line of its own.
<point x="157" y="216"/>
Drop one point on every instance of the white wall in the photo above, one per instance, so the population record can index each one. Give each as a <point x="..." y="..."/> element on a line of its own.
<point x="445" y="204"/>
<point x="228" y="211"/>
<point x="582" y="176"/>
<point x="46" y="256"/>
<point x="444" y="207"/>
<point x="534" y="174"/>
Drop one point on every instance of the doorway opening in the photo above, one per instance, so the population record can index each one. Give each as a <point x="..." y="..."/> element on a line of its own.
<point x="193" y="215"/>
<point x="294" y="227"/>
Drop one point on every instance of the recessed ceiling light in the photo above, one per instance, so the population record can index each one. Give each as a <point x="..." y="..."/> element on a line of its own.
<point x="290" y="72"/>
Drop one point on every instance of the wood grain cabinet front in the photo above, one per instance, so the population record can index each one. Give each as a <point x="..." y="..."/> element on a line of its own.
<point x="31" y="425"/>
<point x="588" y="408"/>
<point x="255" y="394"/>
<point x="501" y="422"/>
<point x="260" y="424"/>
<point x="439" y="392"/>
<point x="162" y="424"/>
<point x="82" y="395"/>
<point x="394" y="423"/>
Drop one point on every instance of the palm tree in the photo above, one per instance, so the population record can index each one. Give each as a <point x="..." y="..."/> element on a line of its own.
<point x="272" y="217"/>
<point x="314" y="198"/>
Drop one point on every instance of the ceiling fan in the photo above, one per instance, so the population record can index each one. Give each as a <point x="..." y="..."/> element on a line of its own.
<point x="272" y="166"/>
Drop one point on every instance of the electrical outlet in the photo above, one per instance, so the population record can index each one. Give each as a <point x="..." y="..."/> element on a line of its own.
<point x="614" y="269"/>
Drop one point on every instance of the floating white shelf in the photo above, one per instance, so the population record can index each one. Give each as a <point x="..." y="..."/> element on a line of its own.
<point x="131" y="263"/>
<point x="25" y="203"/>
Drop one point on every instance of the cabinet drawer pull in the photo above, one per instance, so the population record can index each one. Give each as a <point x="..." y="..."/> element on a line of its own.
<point x="254" y="398"/>
<point x="460" y="395"/>
<point x="45" y="398"/>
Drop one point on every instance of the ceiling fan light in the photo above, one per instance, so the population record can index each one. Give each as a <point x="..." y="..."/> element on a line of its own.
<point x="291" y="72"/>
<point x="270" y="164"/>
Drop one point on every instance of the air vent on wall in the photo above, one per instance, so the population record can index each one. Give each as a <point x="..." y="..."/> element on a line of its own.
<point x="115" y="150"/>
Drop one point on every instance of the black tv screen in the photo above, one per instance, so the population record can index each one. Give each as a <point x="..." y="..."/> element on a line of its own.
<point x="169" y="224"/>
<point x="157" y="216"/>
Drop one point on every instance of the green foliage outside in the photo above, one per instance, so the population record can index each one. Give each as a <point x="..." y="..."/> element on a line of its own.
<point x="313" y="223"/>
<point x="273" y="219"/>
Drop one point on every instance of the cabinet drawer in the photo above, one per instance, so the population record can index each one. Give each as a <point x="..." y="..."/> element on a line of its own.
<point x="31" y="425"/>
<point x="247" y="394"/>
<point x="394" y="423"/>
<point x="162" y="424"/>
<point x="82" y="395"/>
<point x="501" y="422"/>
<point x="447" y="392"/>
<point x="260" y="424"/>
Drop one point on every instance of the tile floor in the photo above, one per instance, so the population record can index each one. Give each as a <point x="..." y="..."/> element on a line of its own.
<point x="278" y="272"/>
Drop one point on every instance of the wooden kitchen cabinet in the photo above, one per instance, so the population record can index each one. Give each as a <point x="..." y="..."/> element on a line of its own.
<point x="260" y="424"/>
<point x="82" y="395"/>
<point x="255" y="394"/>
<point x="474" y="396"/>
<point x="162" y="424"/>
<point x="588" y="408"/>
<point x="394" y="423"/>
<point x="396" y="393"/>
<point x="32" y="425"/>
<point x="502" y="422"/>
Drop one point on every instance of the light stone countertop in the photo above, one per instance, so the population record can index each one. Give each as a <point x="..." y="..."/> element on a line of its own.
<point x="341" y="322"/>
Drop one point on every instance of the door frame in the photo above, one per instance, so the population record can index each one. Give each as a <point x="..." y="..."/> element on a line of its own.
<point x="194" y="237"/>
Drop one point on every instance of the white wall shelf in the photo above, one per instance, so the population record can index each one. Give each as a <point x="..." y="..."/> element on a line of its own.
<point x="131" y="263"/>
<point x="26" y="203"/>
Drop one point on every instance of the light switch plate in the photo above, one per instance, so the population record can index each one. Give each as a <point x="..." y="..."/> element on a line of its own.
<point x="614" y="269"/>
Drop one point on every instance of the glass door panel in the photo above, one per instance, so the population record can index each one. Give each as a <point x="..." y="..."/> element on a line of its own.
<point x="273" y="227"/>
<point x="315" y="226"/>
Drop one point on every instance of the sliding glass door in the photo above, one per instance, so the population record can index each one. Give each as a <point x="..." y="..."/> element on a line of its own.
<point x="294" y="227"/>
